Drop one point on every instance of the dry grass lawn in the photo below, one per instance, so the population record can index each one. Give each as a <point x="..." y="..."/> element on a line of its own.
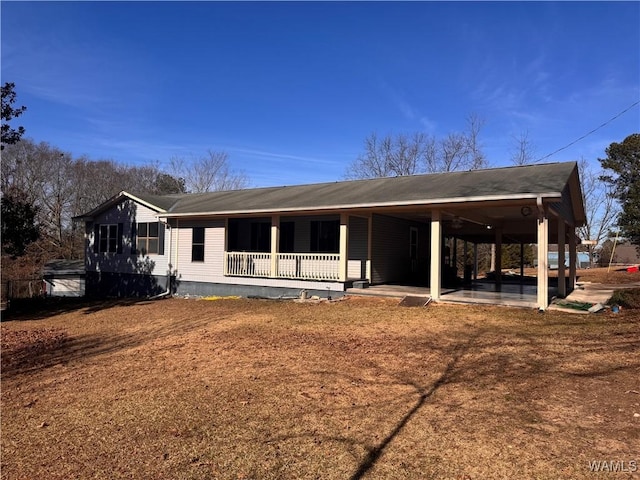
<point x="360" y="388"/>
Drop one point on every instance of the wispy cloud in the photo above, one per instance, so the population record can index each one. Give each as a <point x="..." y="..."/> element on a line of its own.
<point x="407" y="109"/>
<point x="284" y="158"/>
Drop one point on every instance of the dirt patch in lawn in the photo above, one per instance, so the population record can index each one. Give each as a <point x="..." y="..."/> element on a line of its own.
<point x="609" y="276"/>
<point x="360" y="388"/>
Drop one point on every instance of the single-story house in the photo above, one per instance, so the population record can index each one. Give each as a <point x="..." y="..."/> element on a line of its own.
<point x="625" y="254"/>
<point x="328" y="237"/>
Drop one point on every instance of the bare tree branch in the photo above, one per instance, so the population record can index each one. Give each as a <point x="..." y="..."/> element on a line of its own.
<point x="523" y="149"/>
<point x="208" y="173"/>
<point x="401" y="154"/>
<point x="600" y="207"/>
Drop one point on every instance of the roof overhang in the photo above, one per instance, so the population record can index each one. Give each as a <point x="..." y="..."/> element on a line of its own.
<point x="422" y="204"/>
<point x="116" y="199"/>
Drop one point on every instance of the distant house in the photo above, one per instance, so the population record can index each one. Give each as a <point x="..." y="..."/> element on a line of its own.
<point x="328" y="236"/>
<point x="582" y="260"/>
<point x="626" y="254"/>
<point x="64" y="278"/>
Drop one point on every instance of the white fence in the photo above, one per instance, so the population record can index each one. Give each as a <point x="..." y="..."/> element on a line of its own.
<point x="304" y="266"/>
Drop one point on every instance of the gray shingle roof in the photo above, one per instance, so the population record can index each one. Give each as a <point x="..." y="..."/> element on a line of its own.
<point x="164" y="202"/>
<point x="508" y="182"/>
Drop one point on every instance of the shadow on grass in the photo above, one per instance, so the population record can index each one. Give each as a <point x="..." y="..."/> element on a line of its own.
<point x="42" y="308"/>
<point x="45" y="348"/>
<point x="525" y="359"/>
<point x="425" y="393"/>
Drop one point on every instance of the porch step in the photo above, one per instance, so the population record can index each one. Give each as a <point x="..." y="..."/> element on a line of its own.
<point x="361" y="284"/>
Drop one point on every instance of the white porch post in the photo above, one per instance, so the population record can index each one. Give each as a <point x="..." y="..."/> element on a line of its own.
<point x="436" y="255"/>
<point x="572" y="259"/>
<point x="543" y="262"/>
<point x="275" y="240"/>
<point x="562" y="284"/>
<point x="344" y="245"/>
<point x="369" y="246"/>
<point x="498" y="269"/>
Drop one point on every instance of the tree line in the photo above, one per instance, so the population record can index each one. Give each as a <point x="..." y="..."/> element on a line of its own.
<point x="43" y="187"/>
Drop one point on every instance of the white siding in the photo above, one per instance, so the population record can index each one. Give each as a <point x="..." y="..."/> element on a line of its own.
<point x="126" y="213"/>
<point x="358" y="248"/>
<point x="211" y="269"/>
<point x="66" y="287"/>
<point x="144" y="214"/>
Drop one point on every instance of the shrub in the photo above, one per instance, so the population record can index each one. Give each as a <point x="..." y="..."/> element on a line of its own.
<point x="627" y="298"/>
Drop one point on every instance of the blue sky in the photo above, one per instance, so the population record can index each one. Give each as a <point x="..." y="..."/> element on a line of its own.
<point x="290" y="90"/>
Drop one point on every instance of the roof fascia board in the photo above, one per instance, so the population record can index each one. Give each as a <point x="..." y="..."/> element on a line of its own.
<point x="114" y="201"/>
<point x="146" y="204"/>
<point x="437" y="203"/>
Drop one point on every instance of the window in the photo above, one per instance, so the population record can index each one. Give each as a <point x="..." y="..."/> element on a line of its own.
<point x="287" y="232"/>
<point x="148" y="241"/>
<point x="260" y="237"/>
<point x="197" y="244"/>
<point x="108" y="238"/>
<point x="233" y="235"/>
<point x="325" y="236"/>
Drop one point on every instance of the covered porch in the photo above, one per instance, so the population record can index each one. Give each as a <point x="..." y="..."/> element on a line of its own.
<point x="410" y="250"/>
<point x="511" y="295"/>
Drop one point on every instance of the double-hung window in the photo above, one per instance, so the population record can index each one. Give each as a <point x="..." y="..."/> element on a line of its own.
<point x="109" y="238"/>
<point x="148" y="239"/>
<point x="197" y="244"/>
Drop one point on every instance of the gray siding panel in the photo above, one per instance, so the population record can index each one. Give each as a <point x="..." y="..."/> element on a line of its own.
<point x="126" y="213"/>
<point x="390" y="258"/>
<point x="358" y="248"/>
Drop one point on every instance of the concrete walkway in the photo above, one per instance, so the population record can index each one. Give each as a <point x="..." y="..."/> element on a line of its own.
<point x="587" y="292"/>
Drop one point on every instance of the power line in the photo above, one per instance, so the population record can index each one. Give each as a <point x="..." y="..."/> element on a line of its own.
<point x="588" y="133"/>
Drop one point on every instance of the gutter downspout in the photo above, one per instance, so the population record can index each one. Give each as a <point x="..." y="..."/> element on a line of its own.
<point x="167" y="292"/>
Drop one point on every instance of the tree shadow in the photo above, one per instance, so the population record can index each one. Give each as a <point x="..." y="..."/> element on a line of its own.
<point x="489" y="357"/>
<point x="57" y="348"/>
<point x="43" y="308"/>
<point x="115" y="278"/>
<point x="124" y="270"/>
<point x="424" y="394"/>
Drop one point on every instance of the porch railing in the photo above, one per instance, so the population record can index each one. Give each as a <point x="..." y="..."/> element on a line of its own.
<point x="248" y="264"/>
<point x="304" y="266"/>
<point x="309" y="266"/>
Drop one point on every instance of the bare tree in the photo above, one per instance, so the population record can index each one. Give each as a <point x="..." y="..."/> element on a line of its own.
<point x="397" y="155"/>
<point x="475" y="156"/>
<point x="390" y="156"/>
<point x="523" y="149"/>
<point x="453" y="153"/>
<point x="600" y="207"/>
<point x="208" y="173"/>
